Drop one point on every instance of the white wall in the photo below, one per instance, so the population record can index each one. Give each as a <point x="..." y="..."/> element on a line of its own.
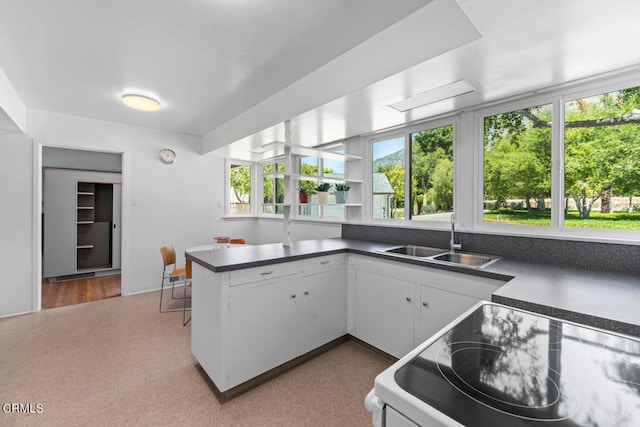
<point x="162" y="204"/>
<point x="271" y="231"/>
<point x="12" y="109"/>
<point x="16" y="251"/>
<point x="175" y="204"/>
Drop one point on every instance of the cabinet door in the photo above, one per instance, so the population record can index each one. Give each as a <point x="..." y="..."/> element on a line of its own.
<point x="438" y="308"/>
<point x="323" y="314"/>
<point x="262" y="328"/>
<point x="384" y="312"/>
<point x="59" y="240"/>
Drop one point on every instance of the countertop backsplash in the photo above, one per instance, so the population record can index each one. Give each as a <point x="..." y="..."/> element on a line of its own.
<point x="593" y="256"/>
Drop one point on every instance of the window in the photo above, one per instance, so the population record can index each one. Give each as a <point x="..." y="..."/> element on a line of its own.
<point x="427" y="193"/>
<point x="598" y="181"/>
<point x="432" y="174"/>
<point x="517" y="167"/>
<point x="273" y="188"/>
<point x="602" y="161"/>
<point x="388" y="178"/>
<point x="320" y="170"/>
<point x="239" y="195"/>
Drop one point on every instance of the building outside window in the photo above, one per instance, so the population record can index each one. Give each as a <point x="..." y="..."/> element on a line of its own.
<point x="426" y="194"/>
<point x="388" y="178"/>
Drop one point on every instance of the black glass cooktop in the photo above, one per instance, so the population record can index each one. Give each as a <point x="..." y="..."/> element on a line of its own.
<point x="505" y="367"/>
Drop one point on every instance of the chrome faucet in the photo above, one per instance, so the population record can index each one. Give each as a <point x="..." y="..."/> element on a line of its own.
<point x="452" y="243"/>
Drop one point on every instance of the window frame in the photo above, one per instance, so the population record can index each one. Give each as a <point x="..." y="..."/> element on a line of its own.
<point x="406" y="132"/>
<point x="260" y="186"/>
<point x="227" y="185"/>
<point x="318" y="178"/>
<point x="557" y="98"/>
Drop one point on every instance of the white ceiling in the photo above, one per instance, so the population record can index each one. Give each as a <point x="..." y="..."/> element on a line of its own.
<point x="233" y="70"/>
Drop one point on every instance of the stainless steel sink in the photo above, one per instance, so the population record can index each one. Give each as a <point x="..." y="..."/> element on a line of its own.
<point x="414" y="251"/>
<point x="467" y="259"/>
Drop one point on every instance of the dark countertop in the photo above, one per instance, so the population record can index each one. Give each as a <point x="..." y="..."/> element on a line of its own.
<point x="605" y="300"/>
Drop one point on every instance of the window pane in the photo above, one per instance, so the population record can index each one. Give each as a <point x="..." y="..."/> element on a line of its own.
<point x="432" y="174"/>
<point x="279" y="193"/>
<point x="239" y="189"/>
<point x="267" y="194"/>
<point x="333" y="168"/>
<point x="280" y="167"/>
<point x="517" y="167"/>
<point x="602" y="161"/>
<point x="309" y="166"/>
<point x="310" y="208"/>
<point x="388" y="178"/>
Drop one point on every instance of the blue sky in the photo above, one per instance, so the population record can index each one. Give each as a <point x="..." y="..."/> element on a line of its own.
<point x="388" y="146"/>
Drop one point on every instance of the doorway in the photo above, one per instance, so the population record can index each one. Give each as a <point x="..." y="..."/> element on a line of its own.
<point x="81" y="226"/>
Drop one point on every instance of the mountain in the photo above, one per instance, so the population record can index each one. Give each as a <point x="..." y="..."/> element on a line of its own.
<point x="393" y="159"/>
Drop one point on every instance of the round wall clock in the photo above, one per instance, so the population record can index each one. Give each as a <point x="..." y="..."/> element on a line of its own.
<point x="167" y="156"/>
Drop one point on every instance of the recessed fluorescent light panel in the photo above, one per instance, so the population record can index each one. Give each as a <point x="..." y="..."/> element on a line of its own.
<point x="434" y="95"/>
<point x="266" y="147"/>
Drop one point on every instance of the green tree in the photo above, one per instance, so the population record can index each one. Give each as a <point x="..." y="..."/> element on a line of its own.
<point x="240" y="180"/>
<point x="601" y="153"/>
<point x="517" y="157"/>
<point x="428" y="150"/>
<point x="441" y="193"/>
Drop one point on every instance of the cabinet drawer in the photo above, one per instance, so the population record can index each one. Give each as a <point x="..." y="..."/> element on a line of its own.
<point x="239" y="277"/>
<point x="328" y="262"/>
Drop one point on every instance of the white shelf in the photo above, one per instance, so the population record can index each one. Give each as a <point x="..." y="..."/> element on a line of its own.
<point x="84" y="247"/>
<point x="85" y="193"/>
<point x="85" y="207"/>
<point x="85" y="222"/>
<point x="326" y="204"/>
<point x="274" y="175"/>
<point x="300" y="177"/>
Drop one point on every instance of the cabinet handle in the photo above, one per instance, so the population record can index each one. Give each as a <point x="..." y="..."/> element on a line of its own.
<point x="409" y="299"/>
<point x="266" y="273"/>
<point x="425" y="304"/>
<point x="325" y="262"/>
<point x="293" y="296"/>
<point x="306" y="292"/>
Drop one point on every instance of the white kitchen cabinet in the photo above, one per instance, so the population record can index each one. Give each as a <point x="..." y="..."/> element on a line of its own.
<point x="438" y="308"/>
<point x="262" y="327"/>
<point x="323" y="307"/>
<point x="246" y="322"/>
<point x="384" y="312"/>
<point x="386" y="308"/>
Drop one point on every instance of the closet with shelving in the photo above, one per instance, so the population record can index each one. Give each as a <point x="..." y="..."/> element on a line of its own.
<point x="81" y="222"/>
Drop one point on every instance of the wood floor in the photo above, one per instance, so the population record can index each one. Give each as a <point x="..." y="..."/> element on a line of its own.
<point x="76" y="291"/>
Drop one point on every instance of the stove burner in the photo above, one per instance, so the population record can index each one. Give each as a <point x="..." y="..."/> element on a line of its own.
<point x="479" y="371"/>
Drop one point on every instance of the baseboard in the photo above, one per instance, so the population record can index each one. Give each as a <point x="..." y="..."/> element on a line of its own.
<point x="225" y="396"/>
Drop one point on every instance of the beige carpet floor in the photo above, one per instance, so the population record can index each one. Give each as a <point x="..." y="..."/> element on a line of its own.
<point x="120" y="362"/>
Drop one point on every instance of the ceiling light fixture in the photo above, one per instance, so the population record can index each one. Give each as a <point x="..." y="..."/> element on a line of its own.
<point x="140" y="102"/>
<point x="434" y="95"/>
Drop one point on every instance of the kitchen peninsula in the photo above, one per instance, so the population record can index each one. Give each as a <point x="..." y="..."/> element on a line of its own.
<point x="257" y="308"/>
